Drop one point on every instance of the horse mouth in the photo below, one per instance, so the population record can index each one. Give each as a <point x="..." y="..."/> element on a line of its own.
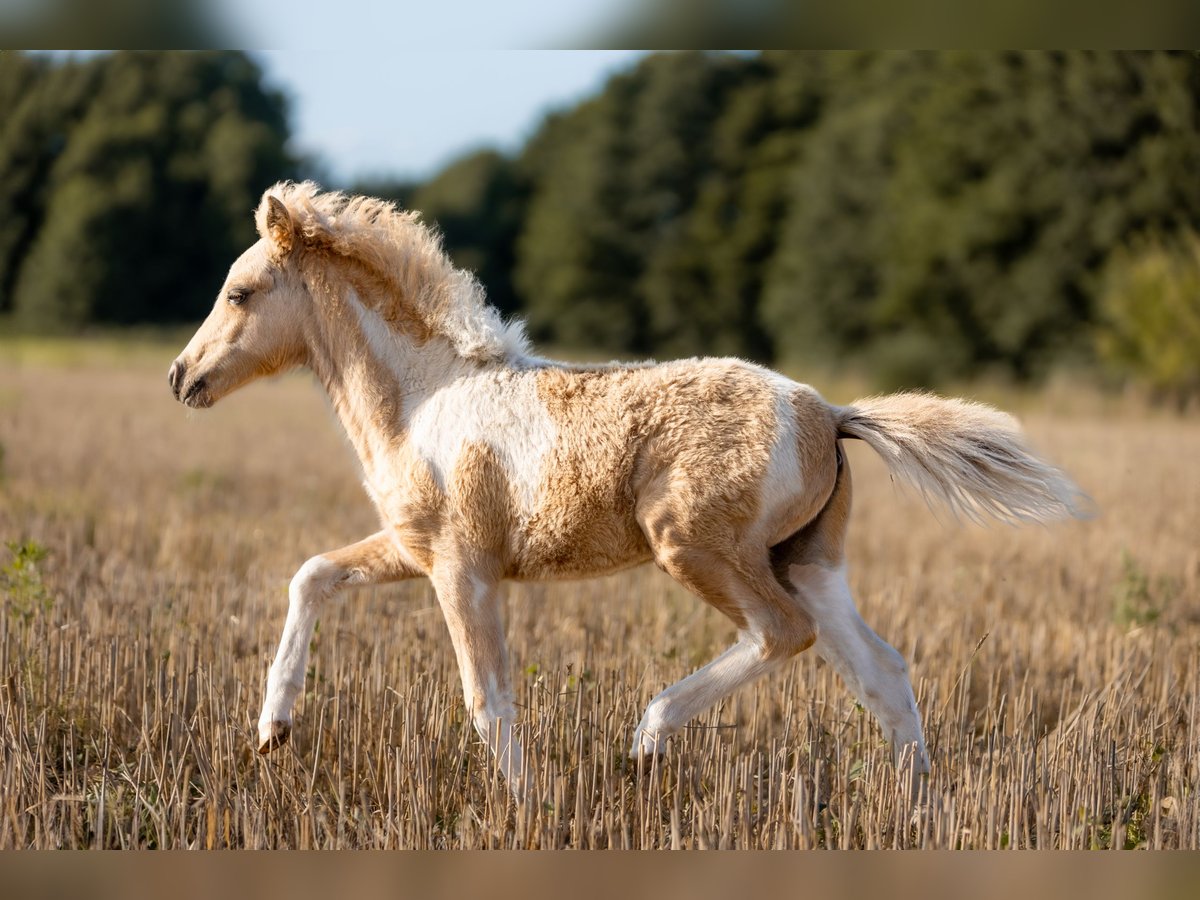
<point x="197" y="396"/>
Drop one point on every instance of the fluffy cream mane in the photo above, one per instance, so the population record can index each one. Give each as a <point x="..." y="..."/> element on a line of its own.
<point x="407" y="256"/>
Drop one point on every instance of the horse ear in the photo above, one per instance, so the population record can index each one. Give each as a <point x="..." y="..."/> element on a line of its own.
<point x="276" y="225"/>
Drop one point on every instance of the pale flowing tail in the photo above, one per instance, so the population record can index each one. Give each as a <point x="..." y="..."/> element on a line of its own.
<point x="969" y="456"/>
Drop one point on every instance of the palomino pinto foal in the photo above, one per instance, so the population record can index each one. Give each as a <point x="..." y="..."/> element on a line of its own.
<point x="486" y="462"/>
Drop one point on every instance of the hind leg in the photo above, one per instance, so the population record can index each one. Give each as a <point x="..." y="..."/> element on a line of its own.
<point x="811" y="564"/>
<point x="873" y="670"/>
<point x="772" y="628"/>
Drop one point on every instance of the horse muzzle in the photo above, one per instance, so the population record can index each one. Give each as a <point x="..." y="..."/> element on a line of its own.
<point x="192" y="392"/>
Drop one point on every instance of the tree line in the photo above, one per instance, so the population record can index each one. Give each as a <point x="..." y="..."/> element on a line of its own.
<point x="919" y="216"/>
<point x="127" y="183"/>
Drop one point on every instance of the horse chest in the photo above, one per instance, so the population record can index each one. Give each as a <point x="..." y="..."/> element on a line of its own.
<point x="503" y="414"/>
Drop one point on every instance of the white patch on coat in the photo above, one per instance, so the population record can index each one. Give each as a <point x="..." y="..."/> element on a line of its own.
<point x="451" y="402"/>
<point x="783" y="481"/>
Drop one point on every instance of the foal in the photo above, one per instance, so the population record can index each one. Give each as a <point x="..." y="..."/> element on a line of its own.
<point x="485" y="463"/>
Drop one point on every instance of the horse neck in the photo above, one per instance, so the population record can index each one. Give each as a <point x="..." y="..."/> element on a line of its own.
<point x="375" y="374"/>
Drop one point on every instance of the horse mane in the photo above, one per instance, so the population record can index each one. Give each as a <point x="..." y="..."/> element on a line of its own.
<point x="407" y="256"/>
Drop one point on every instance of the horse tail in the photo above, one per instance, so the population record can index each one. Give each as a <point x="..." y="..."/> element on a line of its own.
<point x="969" y="456"/>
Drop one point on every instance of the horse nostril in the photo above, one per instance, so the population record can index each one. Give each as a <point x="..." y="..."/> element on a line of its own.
<point x="175" y="377"/>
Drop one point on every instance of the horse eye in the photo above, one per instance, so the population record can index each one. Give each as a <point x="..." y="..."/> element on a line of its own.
<point x="237" y="296"/>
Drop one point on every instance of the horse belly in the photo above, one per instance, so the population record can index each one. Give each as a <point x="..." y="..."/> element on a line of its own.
<point x="577" y="538"/>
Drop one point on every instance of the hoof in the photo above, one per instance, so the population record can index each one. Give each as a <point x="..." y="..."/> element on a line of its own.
<point x="647" y="749"/>
<point x="273" y="736"/>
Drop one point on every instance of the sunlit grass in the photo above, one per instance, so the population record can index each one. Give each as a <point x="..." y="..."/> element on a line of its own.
<point x="129" y="348"/>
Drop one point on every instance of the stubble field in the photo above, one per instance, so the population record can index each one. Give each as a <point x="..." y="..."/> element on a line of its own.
<point x="145" y="584"/>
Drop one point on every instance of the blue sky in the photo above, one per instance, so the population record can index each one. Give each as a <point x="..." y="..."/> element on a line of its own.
<point x="382" y="26"/>
<point x="402" y="112"/>
<point x="407" y="112"/>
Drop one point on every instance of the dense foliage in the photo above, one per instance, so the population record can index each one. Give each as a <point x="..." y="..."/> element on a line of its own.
<point x="922" y="216"/>
<point x="126" y="182"/>
<point x="1150" y="315"/>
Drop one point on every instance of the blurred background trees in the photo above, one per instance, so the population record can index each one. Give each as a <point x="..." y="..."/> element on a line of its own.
<point x="127" y="181"/>
<point x="920" y="217"/>
<point x="1150" y="315"/>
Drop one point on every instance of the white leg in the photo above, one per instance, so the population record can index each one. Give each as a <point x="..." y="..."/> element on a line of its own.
<point x="470" y="605"/>
<point x="772" y="627"/>
<point x="871" y="668"/>
<point x="285" y="680"/>
<point x="742" y="663"/>
<point x="374" y="560"/>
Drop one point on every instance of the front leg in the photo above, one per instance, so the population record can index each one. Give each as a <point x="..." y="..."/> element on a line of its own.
<point x="375" y="560"/>
<point x="469" y="599"/>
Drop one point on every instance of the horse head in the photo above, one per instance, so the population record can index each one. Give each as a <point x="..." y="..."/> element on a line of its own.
<point x="257" y="325"/>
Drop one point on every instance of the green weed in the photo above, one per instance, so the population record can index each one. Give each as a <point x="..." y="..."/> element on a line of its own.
<point x="1136" y="599"/>
<point x="25" y="593"/>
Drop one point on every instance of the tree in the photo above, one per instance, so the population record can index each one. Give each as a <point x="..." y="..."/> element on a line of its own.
<point x="612" y="183"/>
<point x="477" y="202"/>
<point x="953" y="209"/>
<point x="704" y="282"/>
<point x="148" y="194"/>
<point x="1150" y="315"/>
<point x="574" y="263"/>
<point x="42" y="104"/>
<point x="918" y="216"/>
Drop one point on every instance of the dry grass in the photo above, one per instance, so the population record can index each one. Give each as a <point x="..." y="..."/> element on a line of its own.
<point x="1057" y="669"/>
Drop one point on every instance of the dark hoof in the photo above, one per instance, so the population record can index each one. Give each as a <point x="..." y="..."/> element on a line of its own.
<point x="280" y="732"/>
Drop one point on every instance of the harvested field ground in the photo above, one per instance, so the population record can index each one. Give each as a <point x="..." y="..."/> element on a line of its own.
<point x="1058" y="669"/>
